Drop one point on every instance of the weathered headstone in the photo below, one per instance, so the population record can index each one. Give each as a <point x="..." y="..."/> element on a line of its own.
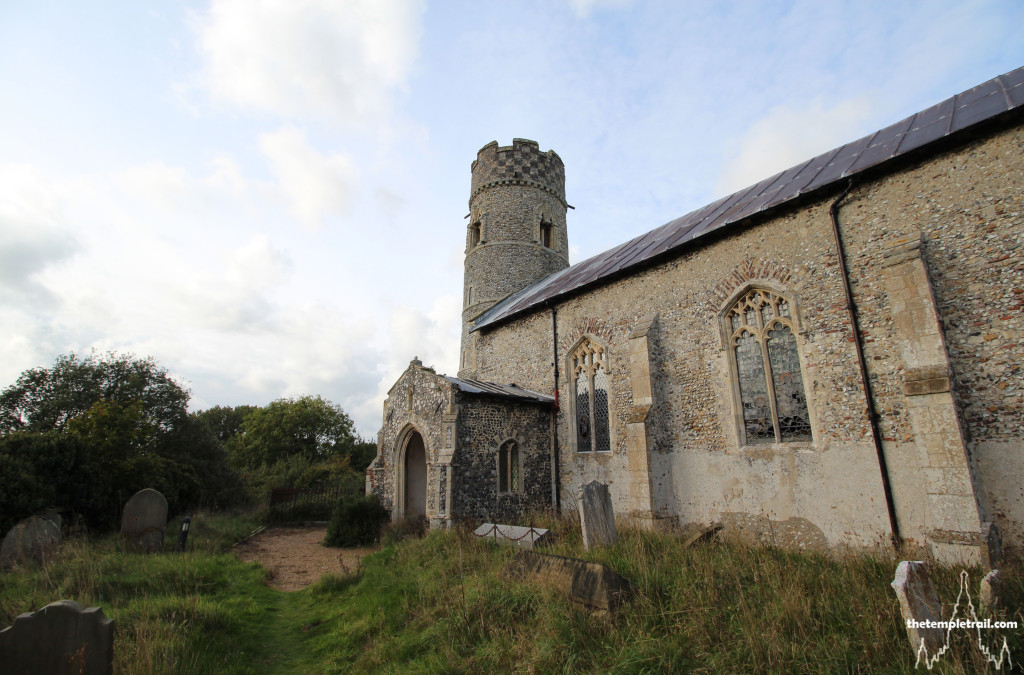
<point x="919" y="604"/>
<point x="63" y="637"/>
<point x="145" y="519"/>
<point x="597" y="520"/>
<point x="988" y="598"/>
<point x="523" y="537"/>
<point x="33" y="540"/>
<point x="588" y="583"/>
<point x="52" y="514"/>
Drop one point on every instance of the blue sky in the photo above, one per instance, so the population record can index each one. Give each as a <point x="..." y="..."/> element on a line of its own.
<point x="268" y="197"/>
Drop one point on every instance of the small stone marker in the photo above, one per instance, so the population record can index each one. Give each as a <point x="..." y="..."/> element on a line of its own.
<point x="919" y="602"/>
<point x="523" y="537"/>
<point x="63" y="637"/>
<point x="988" y="598"/>
<point x="33" y="540"/>
<point x="597" y="519"/>
<point x="588" y="583"/>
<point x="145" y="519"/>
<point x="704" y="535"/>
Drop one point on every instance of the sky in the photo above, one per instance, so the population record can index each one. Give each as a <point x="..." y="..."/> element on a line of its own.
<point x="268" y="197"/>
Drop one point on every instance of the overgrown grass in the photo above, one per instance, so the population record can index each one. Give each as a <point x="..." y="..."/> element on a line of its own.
<point x="443" y="603"/>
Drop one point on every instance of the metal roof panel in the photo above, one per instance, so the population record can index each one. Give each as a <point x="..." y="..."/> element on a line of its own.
<point x="959" y="112"/>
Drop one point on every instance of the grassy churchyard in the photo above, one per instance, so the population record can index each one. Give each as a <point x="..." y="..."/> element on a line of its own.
<point x="443" y="603"/>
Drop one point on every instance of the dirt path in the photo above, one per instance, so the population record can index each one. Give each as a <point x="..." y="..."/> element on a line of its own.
<point x="296" y="557"/>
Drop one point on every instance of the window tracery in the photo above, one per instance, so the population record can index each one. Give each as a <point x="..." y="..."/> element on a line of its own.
<point x="766" y="363"/>
<point x="590" y="373"/>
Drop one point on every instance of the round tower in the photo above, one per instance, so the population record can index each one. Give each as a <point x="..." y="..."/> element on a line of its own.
<point x="516" y="233"/>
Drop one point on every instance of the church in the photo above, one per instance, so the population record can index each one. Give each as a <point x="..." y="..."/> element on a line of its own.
<point x="833" y="357"/>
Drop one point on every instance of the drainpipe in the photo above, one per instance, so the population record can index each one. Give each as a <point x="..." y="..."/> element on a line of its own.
<point x="554" y="414"/>
<point x="872" y="414"/>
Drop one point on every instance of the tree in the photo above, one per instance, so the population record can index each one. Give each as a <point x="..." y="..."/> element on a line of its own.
<point x="47" y="399"/>
<point x="309" y="426"/>
<point x="224" y="421"/>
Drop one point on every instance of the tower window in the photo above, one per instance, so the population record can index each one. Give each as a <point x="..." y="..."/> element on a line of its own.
<point x="545" y="233"/>
<point x="591" y="398"/>
<point x="767" y="368"/>
<point x="509" y="468"/>
<point x="474" y="234"/>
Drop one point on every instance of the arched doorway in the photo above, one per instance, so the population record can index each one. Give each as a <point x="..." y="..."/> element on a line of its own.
<point x="415" y="489"/>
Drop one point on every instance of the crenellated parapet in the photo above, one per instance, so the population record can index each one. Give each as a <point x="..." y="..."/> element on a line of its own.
<point x="521" y="163"/>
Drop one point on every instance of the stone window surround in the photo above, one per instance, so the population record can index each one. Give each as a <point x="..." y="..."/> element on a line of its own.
<point x="728" y="353"/>
<point x="545" y="232"/>
<point x="606" y="361"/>
<point x="508" y="443"/>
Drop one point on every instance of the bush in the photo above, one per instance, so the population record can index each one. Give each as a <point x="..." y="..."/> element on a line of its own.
<point x="408" y="527"/>
<point x="356" y="521"/>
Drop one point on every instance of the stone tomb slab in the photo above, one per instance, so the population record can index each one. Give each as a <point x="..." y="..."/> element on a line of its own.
<point x="523" y="537"/>
<point x="145" y="519"/>
<point x="918" y="603"/>
<point x="591" y="584"/>
<point x="33" y="540"/>
<point x="597" y="519"/>
<point x="63" y="637"/>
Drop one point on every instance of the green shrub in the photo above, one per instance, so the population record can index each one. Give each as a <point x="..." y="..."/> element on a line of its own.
<point x="356" y="521"/>
<point x="410" y="526"/>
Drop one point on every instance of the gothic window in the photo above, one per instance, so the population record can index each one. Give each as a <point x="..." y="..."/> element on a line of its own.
<point x="474" y="234"/>
<point x="545" y="233"/>
<point x="762" y="338"/>
<point x="590" y="374"/>
<point x="509" y="468"/>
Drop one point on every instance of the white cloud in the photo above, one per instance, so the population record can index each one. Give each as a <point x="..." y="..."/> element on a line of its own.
<point x="317" y="185"/>
<point x="340" y="59"/>
<point x="583" y="8"/>
<point x="786" y="136"/>
<point x="34" y="233"/>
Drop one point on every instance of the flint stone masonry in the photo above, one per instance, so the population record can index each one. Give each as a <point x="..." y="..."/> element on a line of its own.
<point x="934" y="246"/>
<point x="919" y="602"/>
<point x="591" y="584"/>
<point x="145" y="519"/>
<point x="597" y="519"/>
<point x="523" y="537"/>
<point x="62" y="638"/>
<point x="33" y="540"/>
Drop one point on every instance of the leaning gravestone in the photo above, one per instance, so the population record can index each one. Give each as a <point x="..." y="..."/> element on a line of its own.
<point x="33" y="540"/>
<point x="919" y="603"/>
<point x="145" y="519"/>
<point x="989" y="595"/>
<point x="63" y="637"/>
<point x="591" y="584"/>
<point x="597" y="520"/>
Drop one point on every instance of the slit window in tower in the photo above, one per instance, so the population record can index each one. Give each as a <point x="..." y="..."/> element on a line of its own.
<point x="474" y="234"/>
<point x="545" y="233"/>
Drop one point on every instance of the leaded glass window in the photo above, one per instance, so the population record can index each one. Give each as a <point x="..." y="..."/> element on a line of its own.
<point x="591" y="402"/>
<point x="767" y="367"/>
<point x="508" y="467"/>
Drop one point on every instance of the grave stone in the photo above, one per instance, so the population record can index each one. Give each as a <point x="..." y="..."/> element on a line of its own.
<point x="63" y="637"/>
<point x="919" y="602"/>
<point x="989" y="595"/>
<point x="33" y="540"/>
<point x="523" y="537"/>
<point x="591" y="584"/>
<point x="597" y="519"/>
<point x="145" y="519"/>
